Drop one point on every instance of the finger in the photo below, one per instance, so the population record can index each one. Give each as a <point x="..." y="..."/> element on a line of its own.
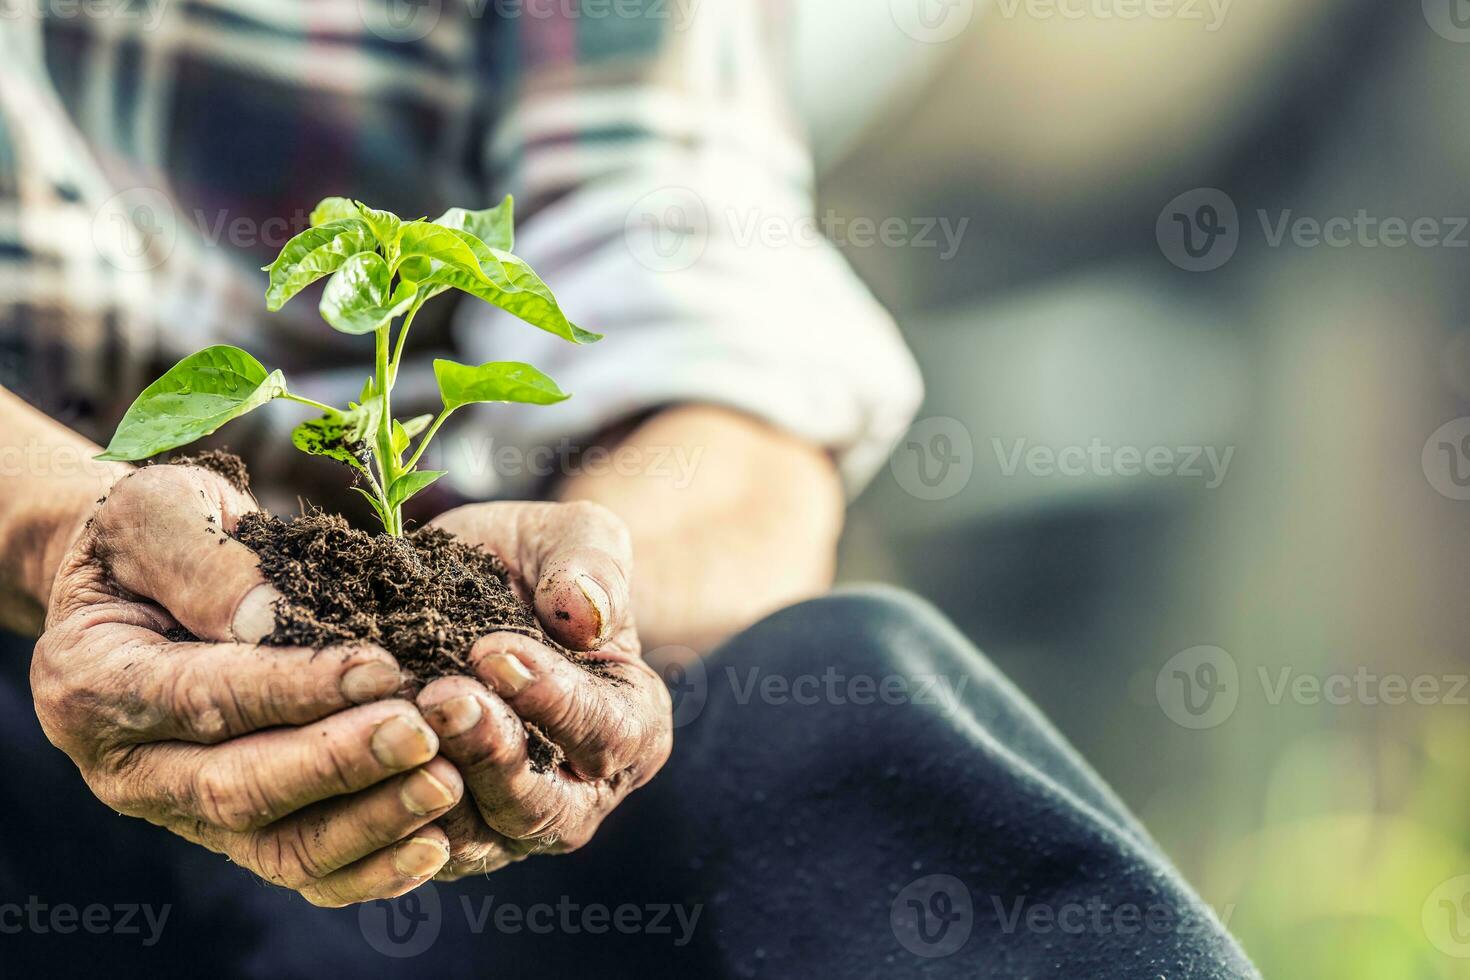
<point x="162" y="535"/>
<point x="249" y="782"/>
<point x="307" y="846"/>
<point x="604" y="727"/>
<point x="482" y="736"/>
<point x="210" y="692"/>
<point x="577" y="558"/>
<point x="387" y="874"/>
<point x="581" y="579"/>
<point x="474" y="846"/>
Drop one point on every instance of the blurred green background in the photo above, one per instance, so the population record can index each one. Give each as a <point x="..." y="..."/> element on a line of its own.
<point x="1329" y="829"/>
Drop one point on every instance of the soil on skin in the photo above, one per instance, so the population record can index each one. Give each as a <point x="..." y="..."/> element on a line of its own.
<point x="222" y="462"/>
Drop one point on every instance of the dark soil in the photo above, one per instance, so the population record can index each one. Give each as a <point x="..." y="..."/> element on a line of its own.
<point x="425" y="598"/>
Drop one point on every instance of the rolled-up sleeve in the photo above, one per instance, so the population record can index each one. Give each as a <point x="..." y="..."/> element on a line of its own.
<point x="667" y="199"/>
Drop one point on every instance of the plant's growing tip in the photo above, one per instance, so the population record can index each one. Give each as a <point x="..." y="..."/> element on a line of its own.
<point x="382" y="268"/>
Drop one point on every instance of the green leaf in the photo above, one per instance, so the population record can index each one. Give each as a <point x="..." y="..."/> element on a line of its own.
<point x="314" y="253"/>
<point x="325" y="437"/>
<point x="498" y="381"/>
<point x="362" y="421"/>
<point x="193" y="398"/>
<point x="503" y="280"/>
<point x="529" y="298"/>
<point x="343" y="436"/>
<point x="409" y="484"/>
<point x="356" y="301"/>
<point x="403" y="432"/>
<point x="417" y="424"/>
<point x="424" y="241"/>
<point x="385" y="225"/>
<point x="493" y="226"/>
<point x="333" y="209"/>
<point x="377" y="505"/>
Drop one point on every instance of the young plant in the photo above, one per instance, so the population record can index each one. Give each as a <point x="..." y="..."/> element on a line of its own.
<point x="382" y="268"/>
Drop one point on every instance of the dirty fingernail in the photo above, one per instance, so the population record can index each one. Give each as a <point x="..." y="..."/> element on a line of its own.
<point x="423" y="794"/>
<point x="508" y="675"/>
<point x="598" y="599"/>
<point x="370" y="681"/>
<point x="255" y="616"/>
<point x="418" y="857"/>
<point x="457" y="715"/>
<point x="399" y="743"/>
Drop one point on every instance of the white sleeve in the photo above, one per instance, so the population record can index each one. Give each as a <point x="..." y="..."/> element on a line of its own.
<point x="679" y="221"/>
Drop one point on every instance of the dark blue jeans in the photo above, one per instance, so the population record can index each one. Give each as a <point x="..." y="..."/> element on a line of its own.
<point x="855" y="792"/>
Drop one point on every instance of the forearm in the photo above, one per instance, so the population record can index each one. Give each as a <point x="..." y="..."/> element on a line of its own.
<point x="48" y="482"/>
<point x="730" y="520"/>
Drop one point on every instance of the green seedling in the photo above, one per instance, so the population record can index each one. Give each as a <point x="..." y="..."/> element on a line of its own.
<point x="382" y="269"/>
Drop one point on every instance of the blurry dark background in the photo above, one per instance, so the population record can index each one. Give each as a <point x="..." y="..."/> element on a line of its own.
<point x="1327" y="830"/>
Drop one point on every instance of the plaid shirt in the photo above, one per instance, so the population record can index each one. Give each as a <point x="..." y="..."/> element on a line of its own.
<point x="155" y="153"/>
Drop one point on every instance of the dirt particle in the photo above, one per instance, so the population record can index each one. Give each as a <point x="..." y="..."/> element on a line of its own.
<point x="221" y="462"/>
<point x="545" y="754"/>
<point x="562" y="614"/>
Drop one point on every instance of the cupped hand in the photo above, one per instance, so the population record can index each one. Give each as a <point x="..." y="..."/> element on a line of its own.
<point x="613" y="725"/>
<point x="297" y="764"/>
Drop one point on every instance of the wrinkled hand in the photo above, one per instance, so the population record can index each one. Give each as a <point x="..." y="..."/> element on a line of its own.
<point x="573" y="562"/>
<point x="286" y="760"/>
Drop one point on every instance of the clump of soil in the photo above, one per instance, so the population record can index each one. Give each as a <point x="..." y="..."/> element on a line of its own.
<point x="425" y="598"/>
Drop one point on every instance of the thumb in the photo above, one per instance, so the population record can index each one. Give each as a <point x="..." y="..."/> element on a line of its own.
<point x="582" y="575"/>
<point x="161" y="535"/>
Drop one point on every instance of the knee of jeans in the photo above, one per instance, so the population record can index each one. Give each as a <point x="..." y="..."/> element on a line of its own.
<point x="875" y="629"/>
